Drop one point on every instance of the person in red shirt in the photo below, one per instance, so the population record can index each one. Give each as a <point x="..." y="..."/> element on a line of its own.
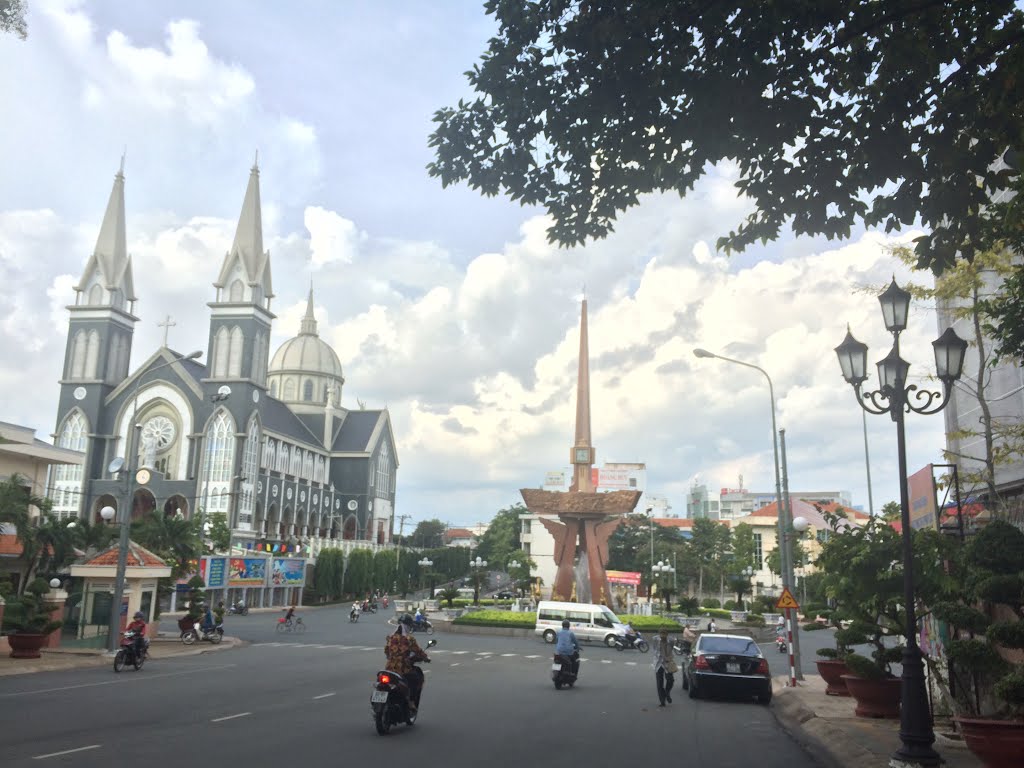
<point x="138" y="625"/>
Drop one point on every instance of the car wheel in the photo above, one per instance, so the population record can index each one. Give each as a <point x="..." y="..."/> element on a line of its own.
<point x="694" y="694"/>
<point x="609" y="640"/>
<point x="549" y="636"/>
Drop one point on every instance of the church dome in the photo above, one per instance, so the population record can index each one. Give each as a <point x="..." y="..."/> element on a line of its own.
<point x="305" y="370"/>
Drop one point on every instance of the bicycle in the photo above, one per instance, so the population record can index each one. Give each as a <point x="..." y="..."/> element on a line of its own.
<point x="295" y="624"/>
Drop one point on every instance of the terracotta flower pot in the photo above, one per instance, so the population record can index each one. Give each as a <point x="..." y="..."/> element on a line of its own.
<point x="832" y="671"/>
<point x="875" y="698"/>
<point x="997" y="743"/>
<point x="25" y="645"/>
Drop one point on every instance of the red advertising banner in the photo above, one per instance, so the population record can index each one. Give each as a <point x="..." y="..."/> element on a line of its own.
<point x="923" y="506"/>
<point x="629" y="578"/>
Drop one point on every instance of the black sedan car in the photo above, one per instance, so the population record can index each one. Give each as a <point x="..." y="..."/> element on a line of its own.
<point x="727" y="664"/>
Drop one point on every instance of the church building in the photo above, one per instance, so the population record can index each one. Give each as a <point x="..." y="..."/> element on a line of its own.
<point x="268" y="445"/>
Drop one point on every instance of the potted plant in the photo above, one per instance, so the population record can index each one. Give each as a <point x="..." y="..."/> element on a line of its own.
<point x="832" y="666"/>
<point x="871" y="682"/>
<point x="987" y="639"/>
<point x="30" y="617"/>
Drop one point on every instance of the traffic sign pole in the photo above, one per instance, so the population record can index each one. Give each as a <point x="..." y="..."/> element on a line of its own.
<point x="789" y="606"/>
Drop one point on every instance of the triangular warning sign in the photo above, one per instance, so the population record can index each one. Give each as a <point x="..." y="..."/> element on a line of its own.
<point x="786" y="600"/>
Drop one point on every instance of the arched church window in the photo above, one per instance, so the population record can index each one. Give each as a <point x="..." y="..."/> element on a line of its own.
<point x="96" y="295"/>
<point x="220" y="353"/>
<point x="273" y="388"/>
<point x="384" y="470"/>
<point x="259" y="358"/>
<point x="235" y="353"/>
<point x="282" y="459"/>
<point x="78" y="356"/>
<point x="268" y="455"/>
<point x="249" y="472"/>
<point x="66" y="479"/>
<point x="288" y="394"/>
<point x="219" y="461"/>
<point x="296" y="464"/>
<point x="236" y="292"/>
<point x="307" y="390"/>
<point x="92" y="355"/>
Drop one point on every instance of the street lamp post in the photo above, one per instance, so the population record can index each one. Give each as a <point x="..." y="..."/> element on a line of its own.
<point x="514" y="565"/>
<point x="895" y="397"/>
<point x="747" y="573"/>
<point x="476" y="568"/>
<point x="127" y="466"/>
<point x="426" y="563"/>
<point x="659" y="569"/>
<point x="786" y="562"/>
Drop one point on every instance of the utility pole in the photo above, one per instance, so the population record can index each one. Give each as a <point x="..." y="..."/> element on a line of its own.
<point x="398" y="545"/>
<point x="788" y="561"/>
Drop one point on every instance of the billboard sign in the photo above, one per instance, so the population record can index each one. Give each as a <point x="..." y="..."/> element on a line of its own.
<point x="214" y="571"/>
<point x="923" y="507"/>
<point x="629" y="578"/>
<point x="247" y="572"/>
<point x="556" y="479"/>
<point x="613" y="479"/>
<point x="288" y="572"/>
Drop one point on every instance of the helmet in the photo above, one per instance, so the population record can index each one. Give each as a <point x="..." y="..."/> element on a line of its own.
<point x="139" y="615"/>
<point x="565" y="624"/>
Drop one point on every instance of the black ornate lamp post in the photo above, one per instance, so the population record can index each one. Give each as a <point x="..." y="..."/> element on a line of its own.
<point x="426" y="563"/>
<point x="895" y="397"/>
<point x="477" y="567"/>
<point x="663" y="569"/>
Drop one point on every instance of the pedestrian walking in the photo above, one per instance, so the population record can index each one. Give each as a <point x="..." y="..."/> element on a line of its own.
<point x="665" y="668"/>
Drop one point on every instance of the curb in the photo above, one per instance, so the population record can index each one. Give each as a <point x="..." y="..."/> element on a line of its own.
<point x="820" y="738"/>
<point x="60" y="660"/>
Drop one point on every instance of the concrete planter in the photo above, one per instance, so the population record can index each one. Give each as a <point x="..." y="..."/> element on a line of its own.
<point x="26" y="646"/>
<point x="997" y="743"/>
<point x="832" y="671"/>
<point x="875" y="698"/>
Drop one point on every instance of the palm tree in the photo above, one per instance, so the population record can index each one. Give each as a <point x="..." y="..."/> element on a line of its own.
<point x="46" y="541"/>
<point x="172" y="538"/>
<point x="91" y="537"/>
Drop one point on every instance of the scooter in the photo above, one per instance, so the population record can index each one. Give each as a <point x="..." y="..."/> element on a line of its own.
<point x="565" y="670"/>
<point x="780" y="643"/>
<point x="623" y="642"/>
<point x="390" y="700"/>
<point x="239" y="608"/>
<point x="369" y="607"/>
<point x="417" y="626"/>
<point x="128" y="654"/>
<point x="353" y="615"/>
<point x="197" y="632"/>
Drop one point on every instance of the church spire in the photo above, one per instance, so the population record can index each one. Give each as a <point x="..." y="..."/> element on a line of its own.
<point x="249" y="234"/>
<point x="308" y="326"/>
<point x="110" y="266"/>
<point x="247" y="266"/>
<point x="583" y="452"/>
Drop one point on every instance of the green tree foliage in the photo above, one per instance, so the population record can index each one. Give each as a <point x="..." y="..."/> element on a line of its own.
<point x="582" y="107"/>
<point x="219" y="534"/>
<point x="329" y="573"/>
<point x="501" y="539"/>
<point x="196" y="597"/>
<point x="385" y="569"/>
<point x="46" y="541"/>
<point x="891" y="511"/>
<point x="173" y="538"/>
<point x="710" y="544"/>
<point x="1004" y="317"/>
<point x="428" y="533"/>
<point x="12" y="17"/>
<point x="91" y="537"/>
<point x="359" y="572"/>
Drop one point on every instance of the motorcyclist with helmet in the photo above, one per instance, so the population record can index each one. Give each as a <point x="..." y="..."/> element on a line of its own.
<point x="568" y="646"/>
<point x="138" y="626"/>
<point x="402" y="652"/>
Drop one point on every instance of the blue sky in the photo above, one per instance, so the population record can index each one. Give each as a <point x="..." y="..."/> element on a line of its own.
<point x="447" y="307"/>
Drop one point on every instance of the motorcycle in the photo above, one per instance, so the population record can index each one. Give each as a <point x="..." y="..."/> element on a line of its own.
<point x="128" y="654"/>
<point x="353" y="615"/>
<point x="239" y="608"/>
<point x="192" y="632"/>
<point x="623" y="642"/>
<point x="369" y="607"/>
<point x="417" y="626"/>
<point x="565" y="670"/>
<point x="389" y="702"/>
<point x="385" y="601"/>
<point x="780" y="643"/>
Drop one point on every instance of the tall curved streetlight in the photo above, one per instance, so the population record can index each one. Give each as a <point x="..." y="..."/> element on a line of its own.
<point x="786" y="561"/>
<point x="896" y="398"/>
<point x="127" y="466"/>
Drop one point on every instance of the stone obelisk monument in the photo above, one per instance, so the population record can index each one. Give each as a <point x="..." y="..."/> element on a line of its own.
<point x="581" y="520"/>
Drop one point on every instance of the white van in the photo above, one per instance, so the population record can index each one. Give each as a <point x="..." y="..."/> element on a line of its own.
<point x="593" y="623"/>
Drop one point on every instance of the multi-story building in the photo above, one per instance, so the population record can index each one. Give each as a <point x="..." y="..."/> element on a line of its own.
<point x="734" y="503"/>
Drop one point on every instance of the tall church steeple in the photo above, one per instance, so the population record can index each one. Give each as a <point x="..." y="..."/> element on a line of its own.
<point x="582" y="456"/>
<point x="308" y="325"/>
<point x="240" y="318"/>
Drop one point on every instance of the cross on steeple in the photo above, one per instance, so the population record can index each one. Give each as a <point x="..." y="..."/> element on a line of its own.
<point x="166" y="325"/>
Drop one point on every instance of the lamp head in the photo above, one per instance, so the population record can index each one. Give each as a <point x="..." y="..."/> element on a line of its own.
<point x="703" y="353"/>
<point x="895" y="307"/>
<point x="801" y="524"/>
<point x="107" y="513"/>
<point x="949" y="356"/>
<point x="853" y="359"/>
<point x="892" y="369"/>
<point x="54" y="583"/>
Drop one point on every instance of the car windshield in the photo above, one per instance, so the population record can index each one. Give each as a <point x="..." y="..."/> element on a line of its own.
<point x="728" y="645"/>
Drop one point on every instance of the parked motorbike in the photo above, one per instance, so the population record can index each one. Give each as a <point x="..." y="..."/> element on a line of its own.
<point x="389" y="702"/>
<point x="128" y="653"/>
<point x="193" y="632"/>
<point x="631" y="641"/>
<point x="239" y="608"/>
<point x="565" y="670"/>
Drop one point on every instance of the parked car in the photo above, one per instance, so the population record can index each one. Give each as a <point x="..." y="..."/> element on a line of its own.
<point x="504" y="596"/>
<point x="727" y="664"/>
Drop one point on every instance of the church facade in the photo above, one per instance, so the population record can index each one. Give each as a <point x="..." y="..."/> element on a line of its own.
<point x="263" y="440"/>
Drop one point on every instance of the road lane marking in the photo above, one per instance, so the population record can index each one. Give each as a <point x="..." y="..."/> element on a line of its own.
<point x="459" y="653"/>
<point x="532" y="657"/>
<point x="630" y="663"/>
<point x="323" y="696"/>
<point x="507" y="655"/>
<point x="114" y="682"/>
<point x="229" y="717"/>
<point x="66" y="752"/>
<point x="455" y="664"/>
<point x="605" y="661"/>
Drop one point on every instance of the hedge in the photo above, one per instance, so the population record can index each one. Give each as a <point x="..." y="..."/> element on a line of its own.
<point x="651" y="623"/>
<point x="508" y="619"/>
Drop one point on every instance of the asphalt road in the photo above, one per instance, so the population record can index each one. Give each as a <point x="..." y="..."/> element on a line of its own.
<point x="304" y="700"/>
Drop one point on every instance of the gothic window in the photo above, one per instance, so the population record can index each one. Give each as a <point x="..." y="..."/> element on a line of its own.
<point x="384" y="470"/>
<point x="220" y="353"/>
<point x="268" y="455"/>
<point x="218" y="461"/>
<point x="259" y="358"/>
<point x="92" y="354"/>
<point x="288" y="393"/>
<point x="282" y="459"/>
<point x="112" y="359"/>
<point x="273" y="388"/>
<point x="249" y="471"/>
<point x="235" y="353"/>
<point x="66" y="479"/>
<point x="96" y="295"/>
<point x="236" y="291"/>
<point x="307" y="466"/>
<point x="78" y="356"/>
<point x="307" y="390"/>
<point x="296" y="464"/>
<point x="327" y="392"/>
<point x="319" y="476"/>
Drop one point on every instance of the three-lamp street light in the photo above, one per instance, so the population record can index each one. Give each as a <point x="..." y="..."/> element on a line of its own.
<point x="477" y="569"/>
<point x="426" y="564"/>
<point x="896" y="397"/>
<point x="514" y="565"/>
<point x="662" y="568"/>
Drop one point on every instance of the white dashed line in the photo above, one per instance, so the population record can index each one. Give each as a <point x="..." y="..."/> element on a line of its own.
<point x="67" y="752"/>
<point x="323" y="696"/>
<point x="230" y="717"/>
<point x="509" y="655"/>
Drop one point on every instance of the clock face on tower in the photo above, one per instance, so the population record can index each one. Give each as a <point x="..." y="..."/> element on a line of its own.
<point x="581" y="456"/>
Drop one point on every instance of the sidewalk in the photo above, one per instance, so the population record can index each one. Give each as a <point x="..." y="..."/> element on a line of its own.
<point x="163" y="647"/>
<point x="828" y="728"/>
